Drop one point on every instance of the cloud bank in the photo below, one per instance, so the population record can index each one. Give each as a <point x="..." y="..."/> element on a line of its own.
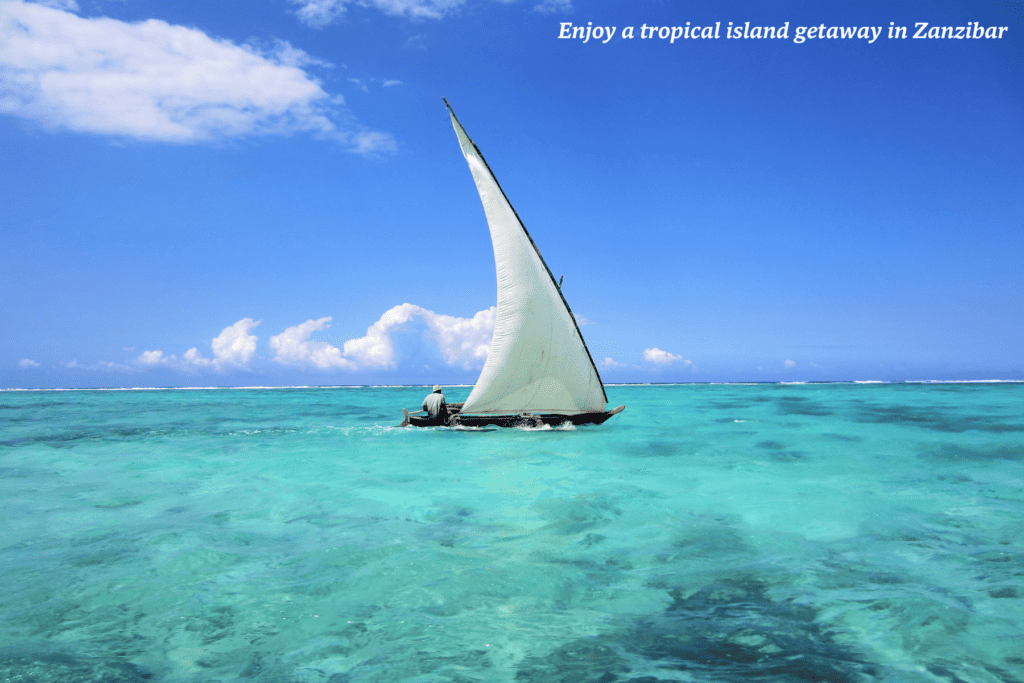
<point x="233" y="348"/>
<point x="293" y="347"/>
<point x="320" y="13"/>
<point x="406" y="336"/>
<point x="156" y="81"/>
<point x="656" y="355"/>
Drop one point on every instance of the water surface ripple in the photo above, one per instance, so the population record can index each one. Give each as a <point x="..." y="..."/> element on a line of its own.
<point x="709" y="533"/>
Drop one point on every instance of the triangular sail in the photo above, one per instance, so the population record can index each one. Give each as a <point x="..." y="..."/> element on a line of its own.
<point x="538" y="361"/>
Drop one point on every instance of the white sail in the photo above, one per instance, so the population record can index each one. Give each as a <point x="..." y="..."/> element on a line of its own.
<point x="538" y="362"/>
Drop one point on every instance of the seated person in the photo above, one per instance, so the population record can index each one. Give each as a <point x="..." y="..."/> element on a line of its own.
<point x="435" y="404"/>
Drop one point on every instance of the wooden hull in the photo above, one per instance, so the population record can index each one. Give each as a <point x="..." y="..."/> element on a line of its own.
<point x="455" y="419"/>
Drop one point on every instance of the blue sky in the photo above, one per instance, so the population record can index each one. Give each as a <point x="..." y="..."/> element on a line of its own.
<point x="268" y="193"/>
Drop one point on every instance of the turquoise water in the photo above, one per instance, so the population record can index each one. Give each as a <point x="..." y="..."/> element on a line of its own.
<point x="709" y="533"/>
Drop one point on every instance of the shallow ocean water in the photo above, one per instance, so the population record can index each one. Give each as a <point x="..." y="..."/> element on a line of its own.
<point x="817" y="532"/>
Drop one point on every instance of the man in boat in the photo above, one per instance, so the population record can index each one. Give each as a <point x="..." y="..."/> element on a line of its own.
<point x="435" y="405"/>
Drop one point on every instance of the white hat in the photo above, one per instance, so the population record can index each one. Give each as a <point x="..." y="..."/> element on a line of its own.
<point x="437" y="388"/>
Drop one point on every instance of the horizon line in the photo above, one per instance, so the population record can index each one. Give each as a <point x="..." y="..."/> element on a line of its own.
<point x="614" y="384"/>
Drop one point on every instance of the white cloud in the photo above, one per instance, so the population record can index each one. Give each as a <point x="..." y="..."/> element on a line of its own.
<point x="288" y="55"/>
<point x="365" y="83"/>
<point x="610" y="363"/>
<point x="319" y="13"/>
<point x="151" y="358"/>
<point x="60" y="4"/>
<point x="790" y="363"/>
<point x="193" y="359"/>
<point x="234" y="347"/>
<point x="101" y="365"/>
<point x="292" y="347"/>
<point x="416" y="42"/>
<point x="553" y="6"/>
<point x="406" y="336"/>
<point x="656" y="355"/>
<point x="110" y="366"/>
<point x="411" y="333"/>
<point x="371" y="143"/>
<point x="27" y="363"/>
<point x="156" y="81"/>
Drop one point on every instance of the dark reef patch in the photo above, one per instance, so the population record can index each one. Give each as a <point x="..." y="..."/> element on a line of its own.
<point x="18" y="472"/>
<point x="580" y="661"/>
<point x="56" y="667"/>
<point x="945" y="672"/>
<point x="844" y="437"/>
<point x="935" y="419"/>
<point x="28" y="406"/>
<point x="778" y="452"/>
<point x="801" y="405"/>
<point x="658" y="449"/>
<point x="729" y="631"/>
<point x="732" y="630"/>
<point x="788" y="456"/>
<point x="951" y="453"/>
<point x="655" y="448"/>
<point x="75" y="436"/>
<point x="577" y="514"/>
<point x="706" y="538"/>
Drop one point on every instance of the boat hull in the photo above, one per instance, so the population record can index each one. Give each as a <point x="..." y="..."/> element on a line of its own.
<point x="517" y="420"/>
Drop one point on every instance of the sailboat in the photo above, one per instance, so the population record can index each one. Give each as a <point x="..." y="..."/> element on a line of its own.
<point x="538" y="370"/>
